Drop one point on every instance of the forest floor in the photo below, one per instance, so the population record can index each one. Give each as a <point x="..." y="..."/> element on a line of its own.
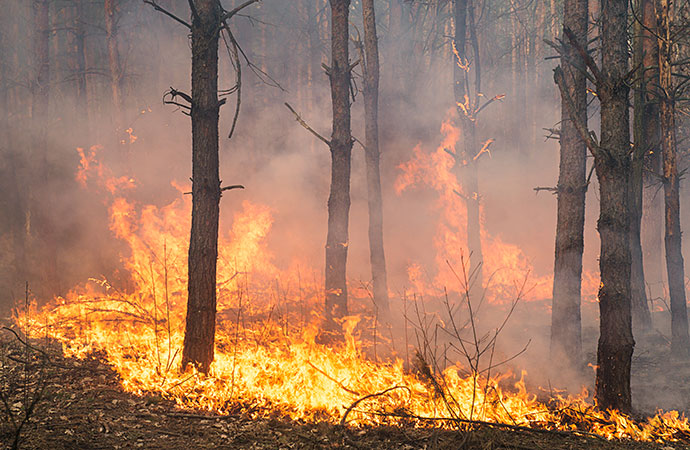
<point x="82" y="406"/>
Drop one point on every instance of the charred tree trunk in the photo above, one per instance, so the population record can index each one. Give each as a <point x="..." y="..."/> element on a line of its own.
<point x="111" y="19"/>
<point x="642" y="319"/>
<point x="680" y="342"/>
<point x="372" y="157"/>
<point x="566" y="327"/>
<point x="612" y="162"/>
<point x="465" y="161"/>
<point x="341" y="149"/>
<point x="203" y="245"/>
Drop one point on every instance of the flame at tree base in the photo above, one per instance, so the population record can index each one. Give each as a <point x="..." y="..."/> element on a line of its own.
<point x="267" y="358"/>
<point x="264" y="369"/>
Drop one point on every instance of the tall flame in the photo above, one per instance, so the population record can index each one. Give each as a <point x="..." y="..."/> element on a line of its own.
<point x="505" y="265"/>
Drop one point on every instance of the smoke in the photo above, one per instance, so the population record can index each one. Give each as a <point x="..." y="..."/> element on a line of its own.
<point x="281" y="164"/>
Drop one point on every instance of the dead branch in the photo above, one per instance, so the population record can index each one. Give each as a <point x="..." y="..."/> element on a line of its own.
<point x="229" y="14"/>
<point x="368" y="396"/>
<point x="306" y="126"/>
<point x="339" y="383"/>
<point x="499" y="98"/>
<point x="553" y="190"/>
<point x="581" y="128"/>
<point x="229" y="188"/>
<point x="238" y="75"/>
<point x="158" y="8"/>
<point x="586" y="57"/>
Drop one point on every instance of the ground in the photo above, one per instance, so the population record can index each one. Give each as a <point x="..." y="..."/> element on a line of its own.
<point x="82" y="406"/>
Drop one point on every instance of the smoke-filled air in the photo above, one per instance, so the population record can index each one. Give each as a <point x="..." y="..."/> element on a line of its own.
<point x="344" y="224"/>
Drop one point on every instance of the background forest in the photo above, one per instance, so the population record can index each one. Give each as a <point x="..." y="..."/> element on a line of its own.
<point x="87" y="123"/>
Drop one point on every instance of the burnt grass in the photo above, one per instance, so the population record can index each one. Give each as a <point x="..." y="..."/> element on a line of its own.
<point x="79" y="404"/>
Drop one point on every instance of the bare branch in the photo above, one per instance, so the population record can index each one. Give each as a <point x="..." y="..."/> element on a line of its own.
<point x="579" y="126"/>
<point x="158" y="8"/>
<point x="306" y="126"/>
<point x="232" y="12"/>
<point x="586" y="57"/>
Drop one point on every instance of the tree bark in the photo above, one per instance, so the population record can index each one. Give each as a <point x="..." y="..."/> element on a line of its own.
<point x="203" y="245"/>
<point x="566" y="326"/>
<point x="642" y="319"/>
<point x="465" y="164"/>
<point x="680" y="342"/>
<point x="612" y="162"/>
<point x="341" y="150"/>
<point x="372" y="156"/>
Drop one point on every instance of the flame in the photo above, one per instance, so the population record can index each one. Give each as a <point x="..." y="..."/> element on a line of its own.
<point x="267" y="359"/>
<point x="505" y="265"/>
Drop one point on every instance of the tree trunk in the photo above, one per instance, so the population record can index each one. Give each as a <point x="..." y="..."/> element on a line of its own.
<point x="372" y="156"/>
<point x="648" y="130"/>
<point x="40" y="237"/>
<point x="111" y="19"/>
<point x="642" y="319"/>
<point x="341" y="149"/>
<point x="203" y="244"/>
<point x="80" y="69"/>
<point x="465" y="164"/>
<point x="566" y="327"/>
<point x="680" y="342"/>
<point x="612" y="162"/>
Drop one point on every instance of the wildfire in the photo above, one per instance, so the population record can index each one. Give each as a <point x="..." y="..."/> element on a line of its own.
<point x="267" y="358"/>
<point x="505" y="265"/>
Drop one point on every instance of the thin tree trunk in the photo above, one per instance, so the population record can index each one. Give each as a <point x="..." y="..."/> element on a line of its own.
<point x="341" y="150"/>
<point x="80" y="69"/>
<point x="41" y="243"/>
<point x="566" y="326"/>
<point x="203" y="245"/>
<point x="372" y="156"/>
<point x="612" y="162"/>
<point x="652" y="201"/>
<point x="642" y="319"/>
<point x="111" y="19"/>
<point x="680" y="342"/>
<point x="465" y="164"/>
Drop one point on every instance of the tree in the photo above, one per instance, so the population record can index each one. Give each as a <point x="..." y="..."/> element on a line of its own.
<point x="613" y="168"/>
<point x="372" y="156"/>
<point x="111" y="24"/>
<point x="644" y="123"/>
<point x="341" y="150"/>
<point x="203" y="243"/>
<point x="208" y="20"/>
<point x="468" y="107"/>
<point x="79" y="32"/>
<point x="566" y="328"/>
<point x="680" y="341"/>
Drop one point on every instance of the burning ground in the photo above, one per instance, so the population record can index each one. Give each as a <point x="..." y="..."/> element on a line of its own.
<point x="443" y="368"/>
<point x="82" y="405"/>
